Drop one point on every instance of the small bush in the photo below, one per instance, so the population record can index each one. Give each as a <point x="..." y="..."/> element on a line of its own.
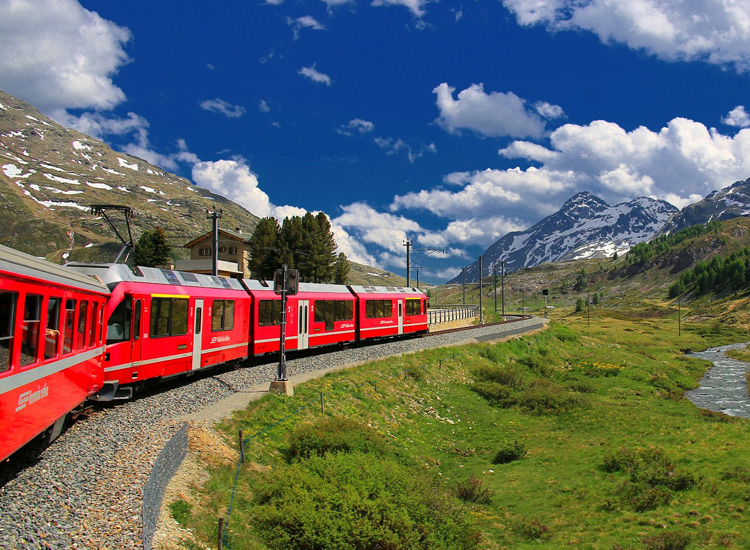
<point x="652" y="477"/>
<point x="496" y="394"/>
<point x="352" y="501"/>
<point x="511" y="376"/>
<point x="472" y="490"/>
<point x="510" y="452"/>
<point x="737" y="473"/>
<point x="667" y="540"/>
<point x="545" y="397"/>
<point x="181" y="511"/>
<point x="336" y="434"/>
<point x="533" y="529"/>
<point x="415" y="373"/>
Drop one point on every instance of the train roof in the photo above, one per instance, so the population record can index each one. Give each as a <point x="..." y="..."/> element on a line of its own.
<point x="112" y="274"/>
<point x="324" y="288"/>
<point x="359" y="289"/>
<point x="13" y="261"/>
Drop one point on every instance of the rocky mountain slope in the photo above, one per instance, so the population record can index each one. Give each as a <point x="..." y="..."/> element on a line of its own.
<point x="725" y="204"/>
<point x="585" y="227"/>
<point x="51" y="175"/>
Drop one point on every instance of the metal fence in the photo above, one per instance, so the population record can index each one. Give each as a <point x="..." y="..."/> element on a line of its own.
<point x="451" y="313"/>
<point x="166" y="465"/>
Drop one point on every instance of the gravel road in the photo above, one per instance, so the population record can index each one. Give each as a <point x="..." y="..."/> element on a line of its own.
<point x="85" y="490"/>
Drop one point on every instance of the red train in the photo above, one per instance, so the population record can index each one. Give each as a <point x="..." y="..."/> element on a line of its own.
<point x="159" y="323"/>
<point x="51" y="346"/>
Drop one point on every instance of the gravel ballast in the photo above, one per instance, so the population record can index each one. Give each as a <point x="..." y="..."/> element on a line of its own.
<point x="85" y="490"/>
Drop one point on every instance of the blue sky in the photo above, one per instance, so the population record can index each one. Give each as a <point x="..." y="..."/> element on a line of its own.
<point x="446" y="123"/>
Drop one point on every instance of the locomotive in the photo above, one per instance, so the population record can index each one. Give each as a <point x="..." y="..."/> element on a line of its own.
<point x="109" y="328"/>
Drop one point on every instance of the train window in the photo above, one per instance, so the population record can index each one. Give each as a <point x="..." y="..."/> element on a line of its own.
<point x="169" y="316"/>
<point x="222" y="315"/>
<point x="82" y="314"/>
<point x="375" y="309"/>
<point x="118" y="325"/>
<point x="7" y="321"/>
<point x="137" y="320"/>
<point x="180" y="314"/>
<point x="413" y="306"/>
<point x="69" y="325"/>
<point x="269" y="312"/>
<point x="93" y="323"/>
<point x="52" y="334"/>
<point x="32" y="311"/>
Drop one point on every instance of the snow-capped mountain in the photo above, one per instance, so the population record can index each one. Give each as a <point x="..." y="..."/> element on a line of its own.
<point x="584" y="227"/>
<point x="725" y="204"/>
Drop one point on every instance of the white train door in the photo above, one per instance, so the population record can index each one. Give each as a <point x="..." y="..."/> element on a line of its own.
<point x="303" y="328"/>
<point x="400" y="316"/>
<point x="198" y="335"/>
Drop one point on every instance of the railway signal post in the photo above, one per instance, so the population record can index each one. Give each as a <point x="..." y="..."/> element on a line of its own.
<point x="286" y="282"/>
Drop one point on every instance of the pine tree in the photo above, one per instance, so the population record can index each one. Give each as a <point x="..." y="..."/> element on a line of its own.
<point x="152" y="249"/>
<point x="264" y="242"/>
<point x="341" y="269"/>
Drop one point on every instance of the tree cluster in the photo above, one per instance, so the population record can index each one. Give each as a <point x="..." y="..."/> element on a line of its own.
<point x="152" y="249"/>
<point x="643" y="252"/>
<point x="304" y="243"/>
<point x="716" y="274"/>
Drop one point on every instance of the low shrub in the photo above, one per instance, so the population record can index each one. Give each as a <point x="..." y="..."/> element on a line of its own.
<point x="737" y="473"/>
<point x="533" y="529"/>
<point x="511" y="376"/>
<point x="472" y="490"/>
<point x="510" y="452"/>
<point x="335" y="434"/>
<point x="181" y="511"/>
<point x="652" y="477"/>
<point x="667" y="540"/>
<point x="415" y="373"/>
<point x="352" y="501"/>
<point x="546" y="397"/>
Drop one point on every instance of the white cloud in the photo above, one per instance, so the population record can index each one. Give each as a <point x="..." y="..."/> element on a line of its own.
<point x="356" y="125"/>
<point x="263" y="106"/>
<point x="368" y="225"/>
<point x="714" y="31"/>
<point x="494" y="115"/>
<point x="682" y="159"/>
<point x="234" y="180"/>
<point x="313" y="74"/>
<point x="304" y="22"/>
<point x="395" y="146"/>
<point x="223" y="107"/>
<point x="488" y="193"/>
<point x="737" y="117"/>
<point x="58" y="55"/>
<point x="414" y="6"/>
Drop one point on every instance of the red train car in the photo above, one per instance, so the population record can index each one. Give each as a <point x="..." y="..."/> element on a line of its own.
<point x="164" y="323"/>
<point x="389" y="311"/>
<point x="51" y="346"/>
<point x="318" y="315"/>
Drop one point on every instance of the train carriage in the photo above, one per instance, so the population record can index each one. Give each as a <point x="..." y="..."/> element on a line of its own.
<point x="318" y="315"/>
<point x="51" y="346"/>
<point x="164" y="323"/>
<point x="389" y="311"/>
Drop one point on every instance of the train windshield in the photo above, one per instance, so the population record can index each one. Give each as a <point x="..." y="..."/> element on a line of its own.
<point x="118" y="326"/>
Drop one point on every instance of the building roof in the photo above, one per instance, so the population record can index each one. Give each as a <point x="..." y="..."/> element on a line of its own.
<point x="234" y="235"/>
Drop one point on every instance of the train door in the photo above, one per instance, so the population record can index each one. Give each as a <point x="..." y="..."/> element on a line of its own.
<point x="303" y="332"/>
<point x="400" y="316"/>
<point x="135" y="343"/>
<point x="197" y="335"/>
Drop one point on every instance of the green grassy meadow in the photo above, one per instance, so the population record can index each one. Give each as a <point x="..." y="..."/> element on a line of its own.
<point x="578" y="436"/>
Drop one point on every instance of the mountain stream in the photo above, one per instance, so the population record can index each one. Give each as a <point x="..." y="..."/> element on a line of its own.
<point x="723" y="388"/>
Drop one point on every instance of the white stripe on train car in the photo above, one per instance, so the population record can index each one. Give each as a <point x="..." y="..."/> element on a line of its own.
<point x="35" y="374"/>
